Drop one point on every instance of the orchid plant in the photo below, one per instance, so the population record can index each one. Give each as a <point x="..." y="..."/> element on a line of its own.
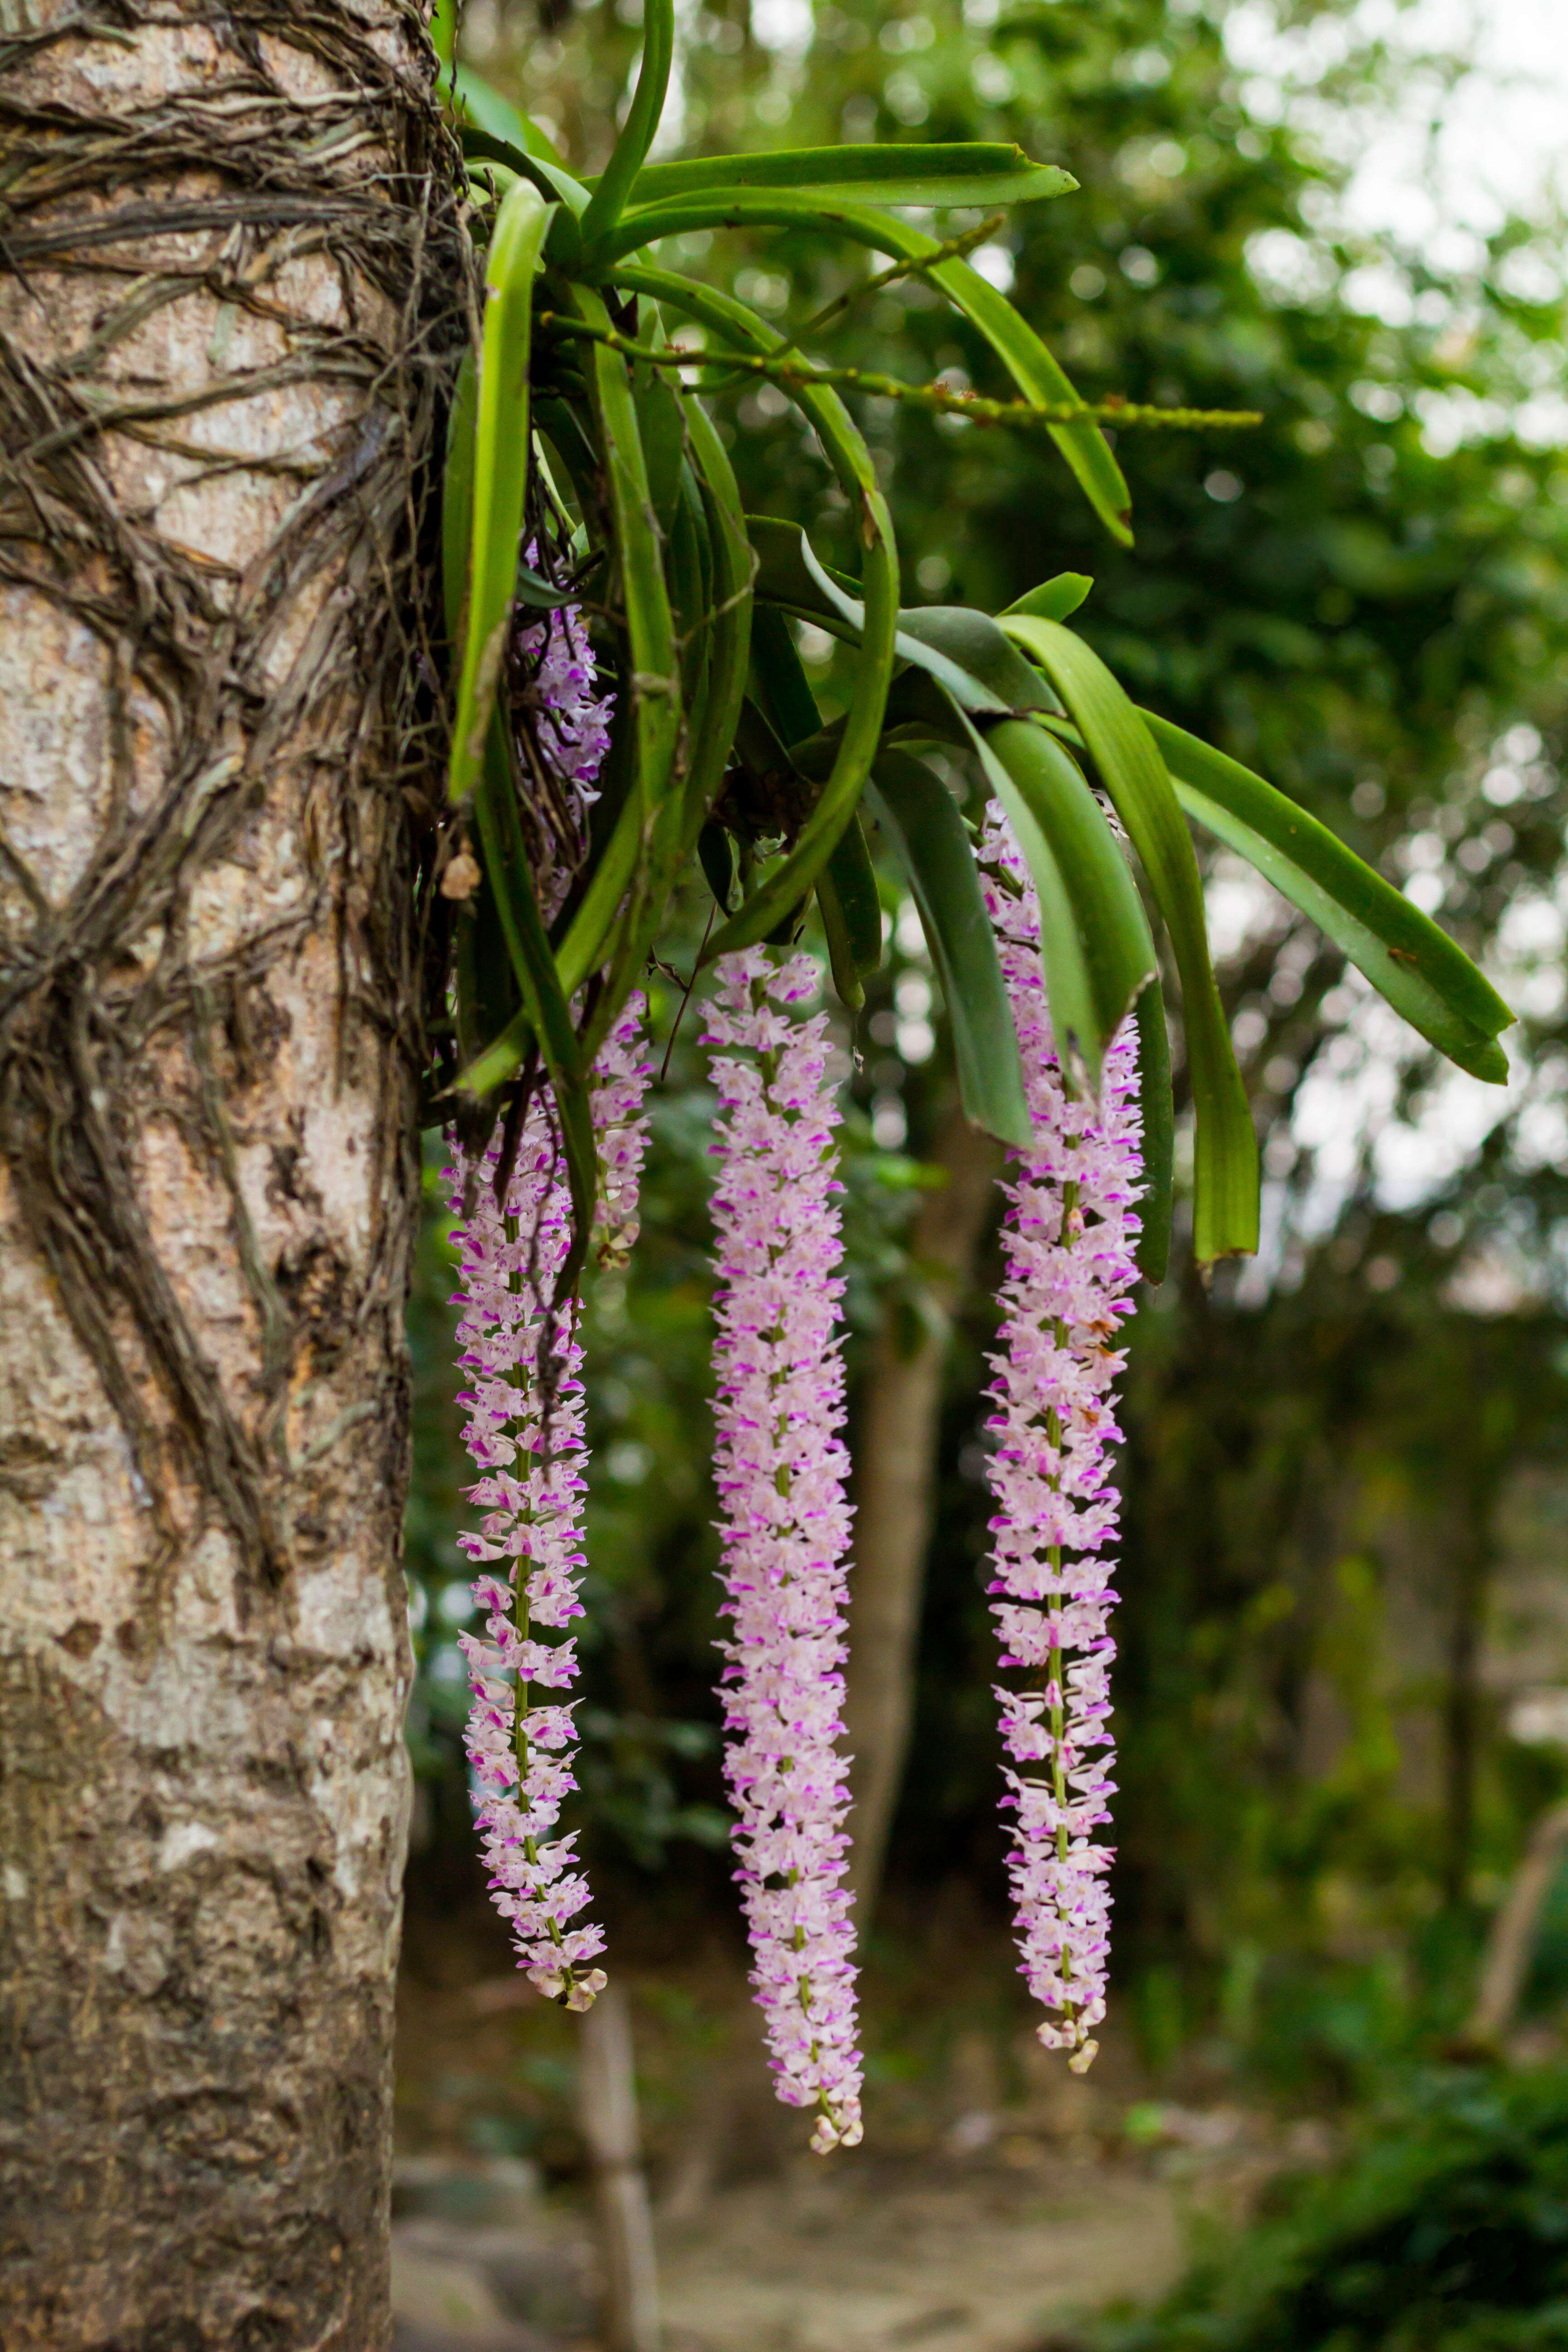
<point x="630" y="710"/>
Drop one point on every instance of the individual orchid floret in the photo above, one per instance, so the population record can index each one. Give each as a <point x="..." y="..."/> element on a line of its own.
<point x="1068" y="1238"/>
<point x="782" y="1468"/>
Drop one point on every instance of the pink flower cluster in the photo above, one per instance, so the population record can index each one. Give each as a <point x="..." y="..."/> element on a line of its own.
<point x="521" y="1350"/>
<point x="1068" y="1238"/>
<point x="781" y="1468"/>
<point x="572" y="722"/>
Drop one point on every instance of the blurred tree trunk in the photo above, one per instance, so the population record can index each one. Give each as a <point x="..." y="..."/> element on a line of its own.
<point x="1484" y="1435"/>
<point x="894" y="1494"/>
<point x="629" y="2270"/>
<point x="218" y="386"/>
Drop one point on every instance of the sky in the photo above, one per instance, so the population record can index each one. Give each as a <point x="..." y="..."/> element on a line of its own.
<point x="1504" y="131"/>
<point x="1500" y="134"/>
<point x="1440" y="169"/>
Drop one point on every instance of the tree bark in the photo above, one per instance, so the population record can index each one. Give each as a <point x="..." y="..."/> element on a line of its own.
<point x="219" y="361"/>
<point x="894" y="1492"/>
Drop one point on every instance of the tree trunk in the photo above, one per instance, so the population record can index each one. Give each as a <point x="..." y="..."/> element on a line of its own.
<point x="218" y="371"/>
<point x="894" y="1490"/>
<point x="1512" y="1940"/>
<point x="628" y="2267"/>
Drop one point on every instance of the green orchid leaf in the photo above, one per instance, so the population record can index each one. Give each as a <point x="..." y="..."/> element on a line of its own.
<point x="457" y="498"/>
<point x="812" y="592"/>
<point x="499" y="133"/>
<point x="920" y="819"/>
<point x="967" y="653"/>
<point x="1159" y="1116"/>
<point x="964" y="650"/>
<point x="689" y="570"/>
<point x="541" y="595"/>
<point x="853" y="879"/>
<point x="663" y="433"/>
<point x="695" y="505"/>
<point x="1032" y="367"/>
<point x="1226" y="1187"/>
<point x="487" y="999"/>
<point x="499" y="472"/>
<point x="716" y="854"/>
<point x="794" y="875"/>
<point x="614" y="182"/>
<point x="646" y="843"/>
<point x="786" y="698"/>
<point x="567" y="427"/>
<point x="1428" y="980"/>
<point x="840" y="954"/>
<point x="733" y="615"/>
<point x="720" y="648"/>
<point x="1054" y="600"/>
<point x="545" y="1008"/>
<point x="1095" y="940"/>
<point x="972" y="172"/>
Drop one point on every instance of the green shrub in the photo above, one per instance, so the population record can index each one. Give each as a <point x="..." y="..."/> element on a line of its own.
<point x="1447" y="2232"/>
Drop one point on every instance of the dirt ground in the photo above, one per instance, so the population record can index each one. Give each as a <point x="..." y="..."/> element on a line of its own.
<point x="999" y="2202"/>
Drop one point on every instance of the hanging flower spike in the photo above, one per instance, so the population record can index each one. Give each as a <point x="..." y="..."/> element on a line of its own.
<point x="520" y="1348"/>
<point x="522" y="1355"/>
<point x="1068" y="1236"/>
<point x="780" y="1468"/>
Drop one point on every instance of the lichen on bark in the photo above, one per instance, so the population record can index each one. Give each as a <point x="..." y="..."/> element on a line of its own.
<point x="235" y="283"/>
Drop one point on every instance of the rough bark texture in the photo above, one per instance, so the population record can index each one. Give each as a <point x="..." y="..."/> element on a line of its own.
<point x="218" y="374"/>
<point x="894" y="1485"/>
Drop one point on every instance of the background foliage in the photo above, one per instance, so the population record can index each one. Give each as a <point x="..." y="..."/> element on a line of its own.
<point x="1366" y="599"/>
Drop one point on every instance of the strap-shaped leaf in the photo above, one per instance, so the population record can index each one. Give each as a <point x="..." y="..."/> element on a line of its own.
<point x="716" y="855"/>
<point x="967" y="653"/>
<point x="964" y="650"/>
<point x="969" y="173"/>
<point x="1097" y="947"/>
<point x="630" y="150"/>
<point x="733" y="615"/>
<point x="500" y="132"/>
<point x="780" y="712"/>
<point x="688" y="571"/>
<point x="1054" y="600"/>
<point x="485" y="997"/>
<point x="1095" y="941"/>
<point x="1097" y="951"/>
<point x="840" y="953"/>
<point x="784" y="578"/>
<point x="852" y="878"/>
<point x="648" y="825"/>
<point x="794" y="874"/>
<point x="920" y="819"/>
<point x="1032" y="367"/>
<point x="457" y="497"/>
<point x="846" y="886"/>
<point x="785" y="694"/>
<point x="1226" y="1186"/>
<point x="725" y="688"/>
<point x="729" y="638"/>
<point x="545" y="1005"/>
<point x="1417" y="967"/>
<point x="499" y="471"/>
<point x="1159" y="1115"/>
